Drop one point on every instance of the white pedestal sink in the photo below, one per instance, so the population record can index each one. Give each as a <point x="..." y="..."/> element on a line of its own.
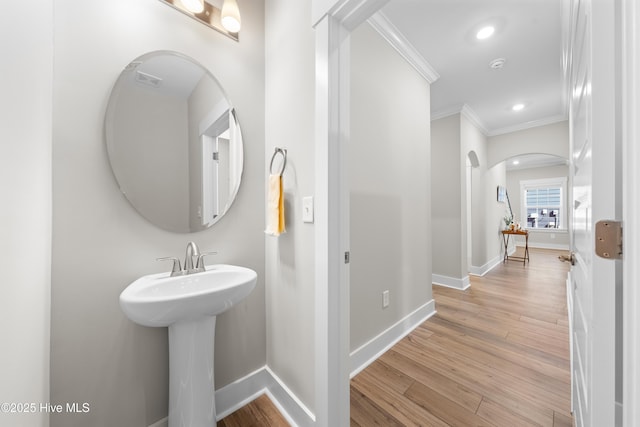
<point x="188" y="305"/>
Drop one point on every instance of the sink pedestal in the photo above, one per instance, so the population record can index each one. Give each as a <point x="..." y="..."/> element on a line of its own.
<point x="192" y="400"/>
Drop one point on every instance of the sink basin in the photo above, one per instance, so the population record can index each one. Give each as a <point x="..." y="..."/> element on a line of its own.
<point x="188" y="305"/>
<point x="159" y="300"/>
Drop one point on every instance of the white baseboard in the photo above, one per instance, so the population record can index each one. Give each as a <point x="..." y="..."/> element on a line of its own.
<point x="484" y="269"/>
<point x="292" y="408"/>
<point x="240" y="392"/>
<point x="244" y="390"/>
<point x="451" y="282"/>
<point x="369" y="352"/>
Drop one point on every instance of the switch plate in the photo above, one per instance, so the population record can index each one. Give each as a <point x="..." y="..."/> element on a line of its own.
<point x="385" y="299"/>
<point x="307" y="209"/>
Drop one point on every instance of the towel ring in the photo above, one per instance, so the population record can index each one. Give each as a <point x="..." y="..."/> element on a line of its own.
<point x="284" y="161"/>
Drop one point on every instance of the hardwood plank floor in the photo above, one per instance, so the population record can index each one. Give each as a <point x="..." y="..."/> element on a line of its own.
<point x="494" y="355"/>
<point x="258" y="413"/>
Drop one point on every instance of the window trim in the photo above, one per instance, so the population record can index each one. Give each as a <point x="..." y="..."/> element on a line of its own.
<point x="544" y="183"/>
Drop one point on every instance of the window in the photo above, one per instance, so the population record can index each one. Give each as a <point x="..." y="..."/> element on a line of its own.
<point x="543" y="203"/>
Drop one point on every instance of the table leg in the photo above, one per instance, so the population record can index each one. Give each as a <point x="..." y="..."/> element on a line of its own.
<point x="505" y="240"/>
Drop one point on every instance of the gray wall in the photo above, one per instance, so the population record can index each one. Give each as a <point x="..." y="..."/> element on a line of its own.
<point x="25" y="215"/>
<point x="548" y="139"/>
<point x="487" y="212"/>
<point x="100" y="244"/>
<point x="290" y="115"/>
<point x="553" y="239"/>
<point x="448" y="226"/>
<point x="453" y="137"/>
<point x="389" y="173"/>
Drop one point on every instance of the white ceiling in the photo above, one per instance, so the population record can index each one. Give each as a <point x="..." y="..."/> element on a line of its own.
<point x="528" y="36"/>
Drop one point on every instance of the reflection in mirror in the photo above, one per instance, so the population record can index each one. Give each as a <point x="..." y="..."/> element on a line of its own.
<point x="174" y="142"/>
<point x="538" y="190"/>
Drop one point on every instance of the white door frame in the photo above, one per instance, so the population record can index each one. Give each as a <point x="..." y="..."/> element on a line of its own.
<point x="332" y="365"/>
<point x="631" y="206"/>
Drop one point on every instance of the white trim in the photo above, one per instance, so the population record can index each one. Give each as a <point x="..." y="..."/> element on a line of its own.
<point x="473" y="118"/>
<point x="351" y="13"/>
<point x="290" y="406"/>
<point x="484" y="269"/>
<point x="463" y="109"/>
<point x="528" y="125"/>
<point x="372" y="350"/>
<point x="263" y="381"/>
<point x="451" y="282"/>
<point x="631" y="206"/>
<point x="446" y="112"/>
<point x="399" y="42"/>
<point x="560" y="181"/>
<point x="245" y="390"/>
<point x="331" y="225"/>
<point x="237" y="394"/>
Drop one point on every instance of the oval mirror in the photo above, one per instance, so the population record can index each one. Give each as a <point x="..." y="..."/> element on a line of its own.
<point x="174" y="142"/>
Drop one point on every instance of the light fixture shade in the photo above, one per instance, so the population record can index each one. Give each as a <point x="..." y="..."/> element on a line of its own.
<point x="195" y="6"/>
<point x="485" y="33"/>
<point x="231" y="16"/>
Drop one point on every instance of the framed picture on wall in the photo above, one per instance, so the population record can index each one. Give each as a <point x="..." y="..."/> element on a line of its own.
<point x="502" y="191"/>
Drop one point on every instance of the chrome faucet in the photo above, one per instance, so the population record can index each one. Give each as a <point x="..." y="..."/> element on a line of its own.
<point x="192" y="251"/>
<point x="189" y="267"/>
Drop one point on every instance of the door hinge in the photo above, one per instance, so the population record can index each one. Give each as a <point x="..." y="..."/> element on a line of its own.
<point x="346" y="257"/>
<point x="609" y="239"/>
<point x="216" y="156"/>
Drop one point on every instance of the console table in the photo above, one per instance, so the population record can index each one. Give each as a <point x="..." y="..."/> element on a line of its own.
<point x="505" y="239"/>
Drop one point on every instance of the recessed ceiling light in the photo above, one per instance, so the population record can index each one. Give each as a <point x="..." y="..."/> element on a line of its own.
<point x="517" y="107"/>
<point x="516" y="162"/>
<point x="485" y="32"/>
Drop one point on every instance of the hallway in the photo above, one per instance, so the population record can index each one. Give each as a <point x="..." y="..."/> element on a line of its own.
<point x="494" y="355"/>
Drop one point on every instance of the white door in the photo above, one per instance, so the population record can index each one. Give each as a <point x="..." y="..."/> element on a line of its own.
<point x="596" y="196"/>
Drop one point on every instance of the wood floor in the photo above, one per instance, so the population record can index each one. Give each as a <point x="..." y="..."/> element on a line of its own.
<point x="494" y="355"/>
<point x="260" y="412"/>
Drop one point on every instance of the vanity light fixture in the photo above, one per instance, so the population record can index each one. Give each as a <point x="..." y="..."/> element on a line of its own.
<point x="485" y="32"/>
<point x="195" y="6"/>
<point x="231" y="16"/>
<point x="210" y="15"/>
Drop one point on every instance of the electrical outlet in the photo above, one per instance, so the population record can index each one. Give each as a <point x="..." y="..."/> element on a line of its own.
<point x="385" y="299"/>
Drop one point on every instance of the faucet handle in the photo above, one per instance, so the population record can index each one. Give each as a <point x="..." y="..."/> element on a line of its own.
<point x="200" y="264"/>
<point x="176" y="270"/>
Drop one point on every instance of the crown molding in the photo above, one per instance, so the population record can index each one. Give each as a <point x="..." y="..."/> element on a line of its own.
<point x="528" y="125"/>
<point x="473" y="118"/>
<point x="399" y="42"/>
<point x="446" y="112"/>
<point x="464" y="110"/>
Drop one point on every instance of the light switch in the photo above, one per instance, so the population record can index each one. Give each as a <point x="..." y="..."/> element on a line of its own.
<point x="307" y="209"/>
